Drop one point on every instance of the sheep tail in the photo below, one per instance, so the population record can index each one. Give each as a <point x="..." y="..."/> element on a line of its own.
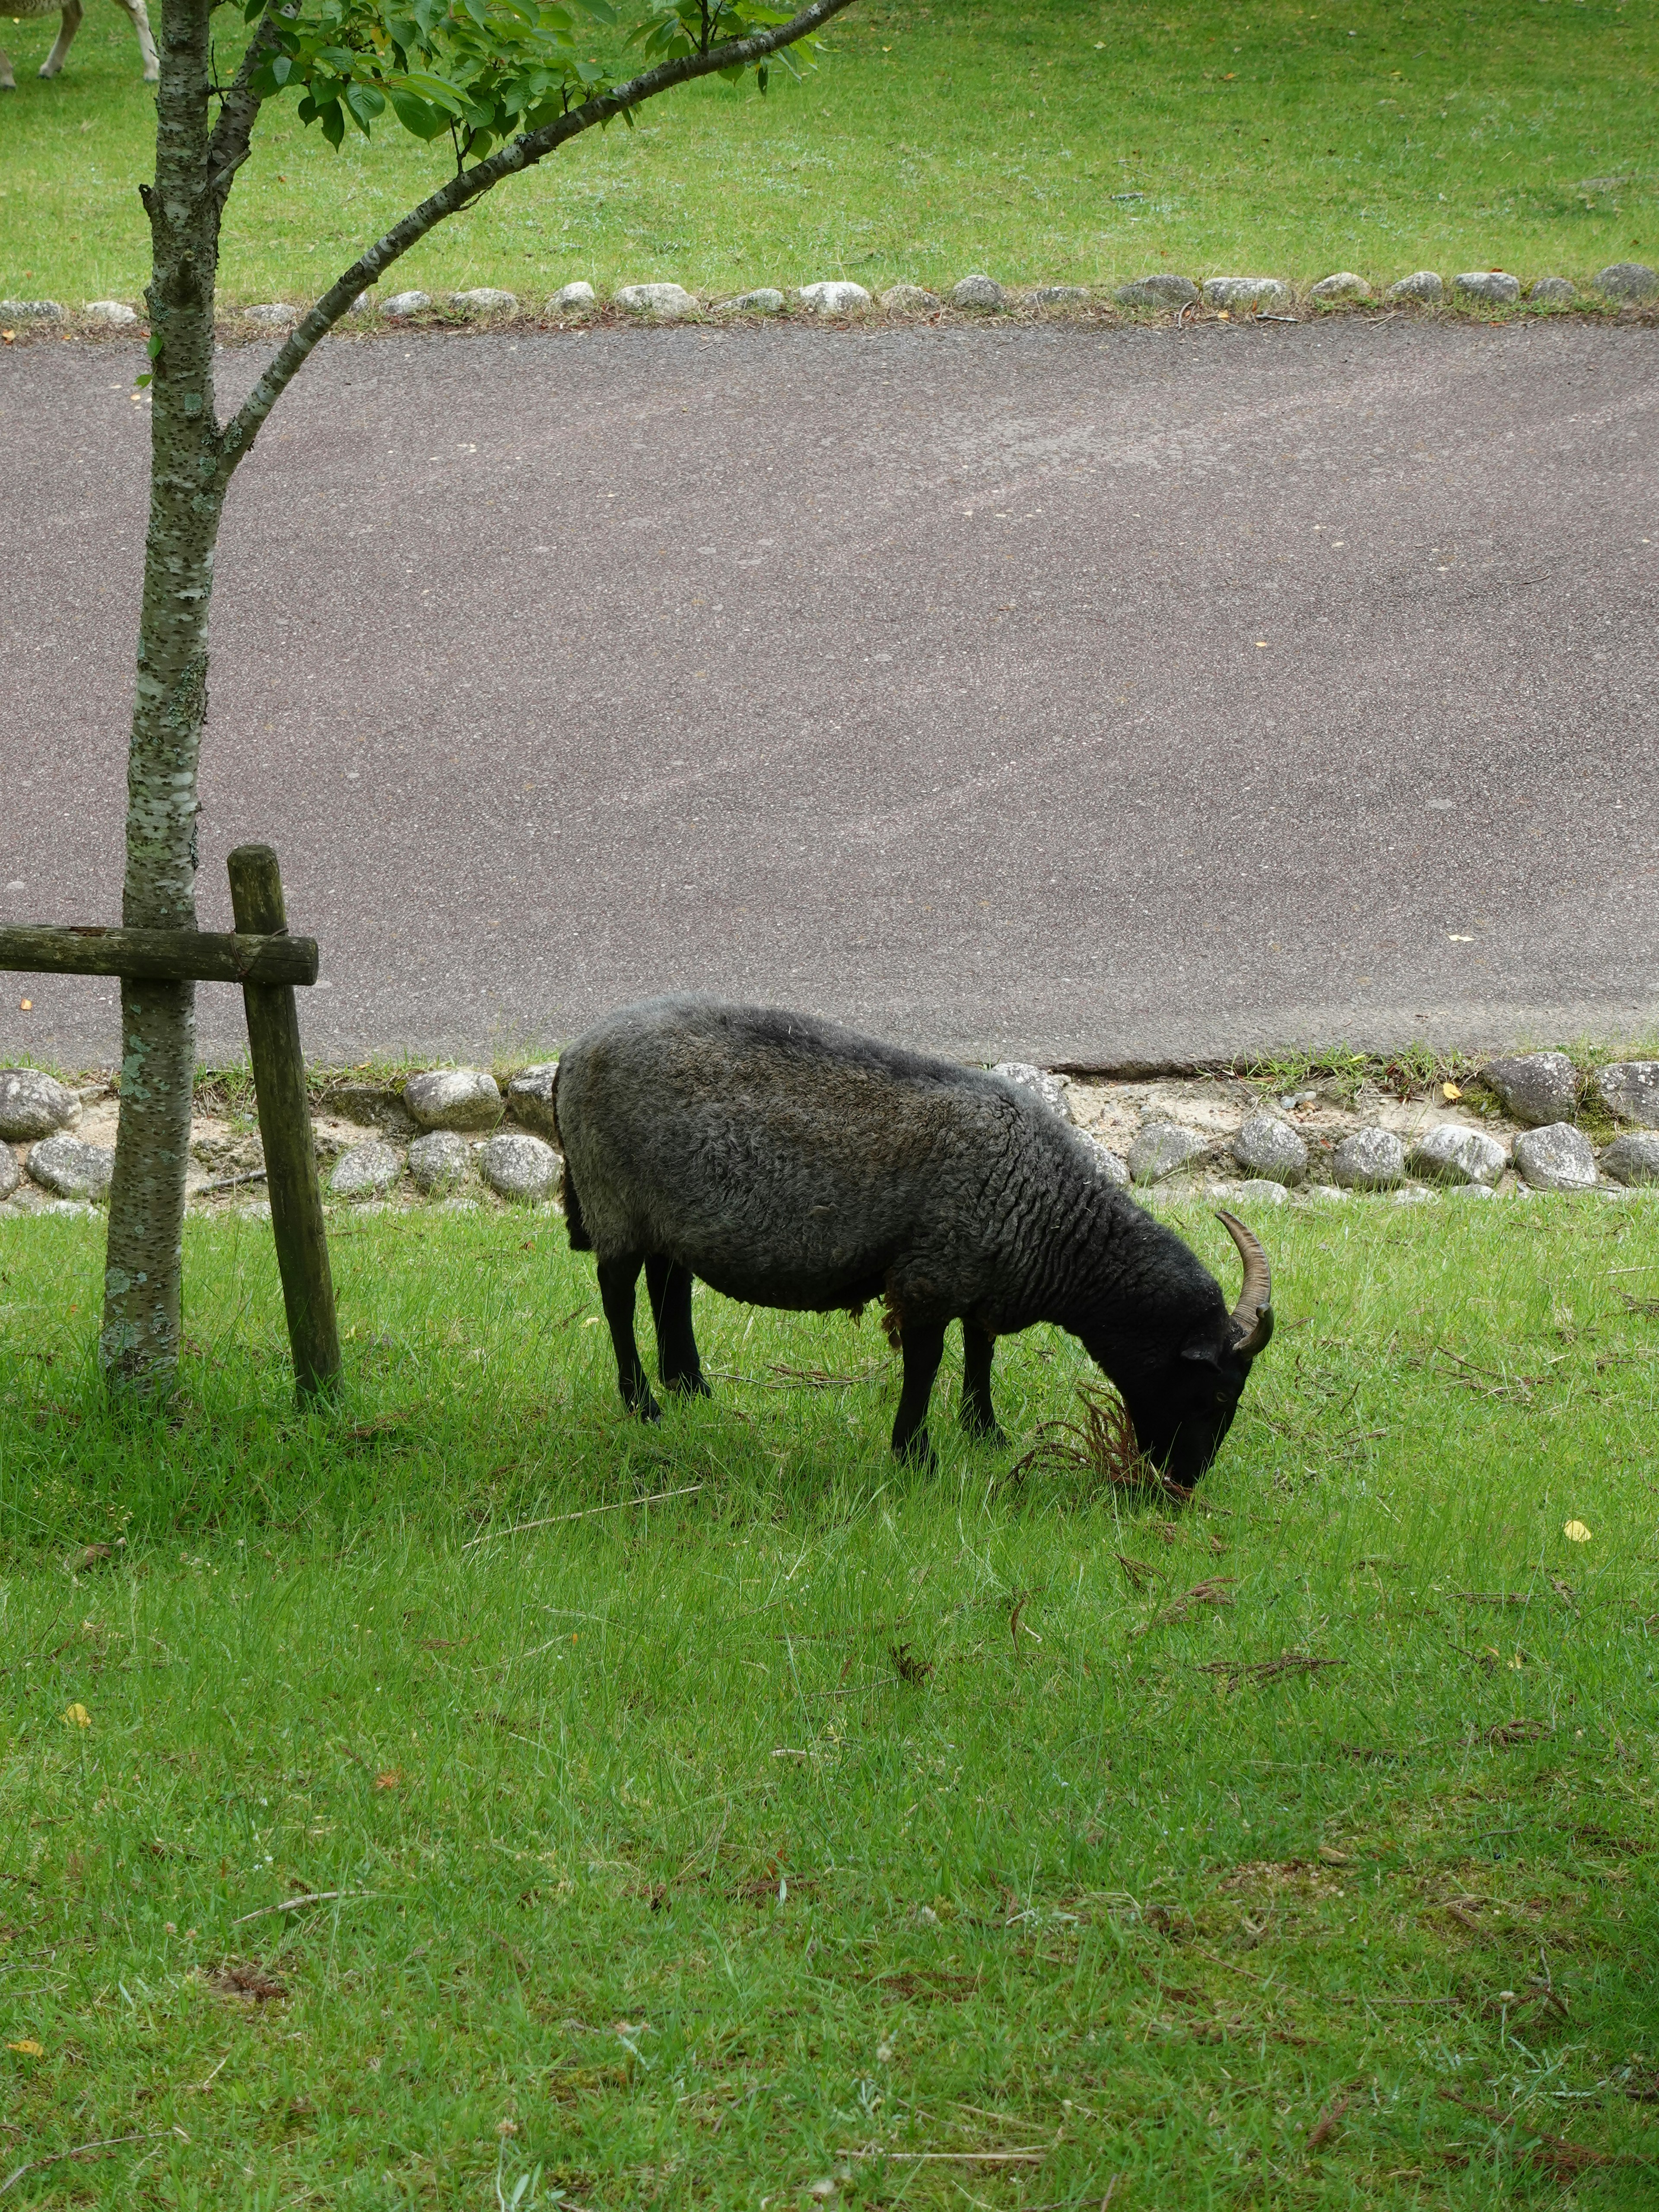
<point x="569" y="1197"/>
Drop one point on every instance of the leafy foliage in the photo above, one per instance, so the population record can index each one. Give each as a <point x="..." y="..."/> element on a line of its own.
<point x="480" y="70"/>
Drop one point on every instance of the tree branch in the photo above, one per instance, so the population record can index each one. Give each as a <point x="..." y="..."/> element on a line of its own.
<point x="471" y="183"/>
<point x="227" y="149"/>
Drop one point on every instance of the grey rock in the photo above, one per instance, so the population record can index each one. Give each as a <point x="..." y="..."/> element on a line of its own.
<point x="1050" y="1089"/>
<point x="664" y="303"/>
<point x="1627" y="280"/>
<point x="10" y="1174"/>
<point x="1057" y="295"/>
<point x="438" y="1159"/>
<point x="1632" y="1159"/>
<point x="362" y="304"/>
<point x="1556" y="1157"/>
<point x="1495" y="285"/>
<point x="1253" y="292"/>
<point x="1261" y="1190"/>
<point x="1371" y="1159"/>
<point x="366" y="1170"/>
<point x="235" y="1152"/>
<point x="1535" y="1087"/>
<point x="1343" y="285"/>
<point x="978" y="291"/>
<point x="274" y="311"/>
<point x="575" y="297"/>
<point x="31" y="311"/>
<point x="1629" y="1090"/>
<point x="484" y="299"/>
<point x="35" y="1105"/>
<point x="1422" y="284"/>
<point x="1470" y="1190"/>
<point x="517" y="1166"/>
<point x="69" y="1168"/>
<point x="115" y="312"/>
<point x="1160" y="1149"/>
<point x="402" y="305"/>
<point x="1163" y="290"/>
<point x="29" y="1201"/>
<point x="765" y="300"/>
<point x="1553" y="291"/>
<point x="833" y="296"/>
<point x="453" y="1098"/>
<point x="910" y="299"/>
<point x="1270" y="1147"/>
<point x="1327" y="1193"/>
<point x="371" y="1106"/>
<point x="1112" y="1168"/>
<point x="530" y="1097"/>
<point x="1451" y="1154"/>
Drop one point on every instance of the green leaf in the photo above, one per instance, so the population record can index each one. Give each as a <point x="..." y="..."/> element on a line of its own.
<point x="418" y="117"/>
<point x="153" y="348"/>
<point x="141" y="382"/>
<point x="333" y="123"/>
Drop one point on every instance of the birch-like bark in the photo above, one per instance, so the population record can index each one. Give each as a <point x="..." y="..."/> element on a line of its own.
<point x="139" y="1344"/>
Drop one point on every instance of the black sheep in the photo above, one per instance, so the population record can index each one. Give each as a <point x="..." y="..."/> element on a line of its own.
<point x="790" y="1162"/>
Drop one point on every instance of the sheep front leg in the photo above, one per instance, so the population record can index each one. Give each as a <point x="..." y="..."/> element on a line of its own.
<point x="978" y="1415"/>
<point x="136" y="11"/>
<point x="60" y="45"/>
<point x="923" y="1346"/>
<point x="618" y="1279"/>
<point x="668" y="1286"/>
<point x="8" y="81"/>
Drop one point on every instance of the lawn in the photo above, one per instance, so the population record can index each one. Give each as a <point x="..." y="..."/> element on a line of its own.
<point x="956" y="1838"/>
<point x="1074" y="143"/>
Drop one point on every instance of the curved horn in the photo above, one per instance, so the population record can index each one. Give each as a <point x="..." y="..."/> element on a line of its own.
<point x="1253" y="1316"/>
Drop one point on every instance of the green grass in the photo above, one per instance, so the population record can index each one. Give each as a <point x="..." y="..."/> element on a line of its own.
<point x="831" y="1813"/>
<point x="1514" y="133"/>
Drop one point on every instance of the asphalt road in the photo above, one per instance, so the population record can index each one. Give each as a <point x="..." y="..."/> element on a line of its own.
<point x="1100" y="698"/>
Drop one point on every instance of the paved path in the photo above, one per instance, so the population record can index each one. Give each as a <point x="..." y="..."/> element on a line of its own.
<point x="1101" y="698"/>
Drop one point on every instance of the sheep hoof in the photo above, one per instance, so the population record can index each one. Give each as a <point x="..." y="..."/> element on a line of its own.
<point x="687" y="1386"/>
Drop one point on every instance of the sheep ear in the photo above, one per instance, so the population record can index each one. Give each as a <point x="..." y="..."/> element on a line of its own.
<point x="1203" y="1351"/>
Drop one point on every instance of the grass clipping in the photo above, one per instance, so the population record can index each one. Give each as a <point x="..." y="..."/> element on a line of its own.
<point x="1101" y="1444"/>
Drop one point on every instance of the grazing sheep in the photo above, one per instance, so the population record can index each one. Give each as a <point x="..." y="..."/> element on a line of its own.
<point x="789" y="1163"/>
<point x="71" y="11"/>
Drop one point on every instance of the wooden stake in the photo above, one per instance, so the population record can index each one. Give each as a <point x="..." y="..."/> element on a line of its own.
<point x="279" y="1080"/>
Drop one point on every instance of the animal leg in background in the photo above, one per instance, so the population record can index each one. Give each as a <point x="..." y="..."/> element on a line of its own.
<point x="923" y="1346"/>
<point x="668" y="1286"/>
<point x="618" y="1279"/>
<point x="140" y="17"/>
<point x="60" y="44"/>
<point x="978" y="1415"/>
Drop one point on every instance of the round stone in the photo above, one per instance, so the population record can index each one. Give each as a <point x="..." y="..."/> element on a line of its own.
<point x="765" y="300"/>
<point x="1495" y="286"/>
<point x="1269" y="1147"/>
<point x="1630" y="1091"/>
<point x="402" y="305"/>
<point x="1557" y="1158"/>
<point x="1261" y="1190"/>
<point x="484" y="299"/>
<point x="516" y="1166"/>
<point x="1159" y="1149"/>
<point x="1254" y="293"/>
<point x="664" y="303"/>
<point x="35" y="1105"/>
<point x="1452" y="1154"/>
<point x="10" y="1174"/>
<point x="1553" y="292"/>
<point x="366" y="1170"/>
<point x="1423" y="285"/>
<point x="1343" y="285"/>
<point x="909" y="299"/>
<point x="1163" y="289"/>
<point x="1627" y="280"/>
<point x="1057" y="295"/>
<point x="833" y="297"/>
<point x="530" y="1099"/>
<point x="1110" y="1166"/>
<point x="1371" y="1159"/>
<point x="273" y="311"/>
<point x="37" y="311"/>
<point x="453" y="1098"/>
<point x="1535" y="1087"/>
<point x="115" y="312"/>
<point x="978" y="291"/>
<point x="69" y="1168"/>
<point x="1050" y="1089"/>
<point x="575" y="297"/>
<point x="1632" y="1159"/>
<point x="438" y="1159"/>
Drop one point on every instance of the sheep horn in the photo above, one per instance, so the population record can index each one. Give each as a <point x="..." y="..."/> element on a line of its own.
<point x="1253" y="1316"/>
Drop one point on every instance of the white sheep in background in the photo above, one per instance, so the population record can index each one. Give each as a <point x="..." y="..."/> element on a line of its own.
<point x="71" y="12"/>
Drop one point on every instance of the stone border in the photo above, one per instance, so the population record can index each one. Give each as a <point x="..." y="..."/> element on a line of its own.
<point x="1623" y="292"/>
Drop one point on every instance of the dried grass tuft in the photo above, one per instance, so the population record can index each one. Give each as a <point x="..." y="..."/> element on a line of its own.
<point x="1106" y="1447"/>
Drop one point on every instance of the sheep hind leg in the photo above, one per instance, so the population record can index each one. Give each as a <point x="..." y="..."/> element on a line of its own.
<point x="8" y="81"/>
<point x="978" y="1414"/>
<point x="60" y="45"/>
<point x="923" y="1346"/>
<point x="668" y="1286"/>
<point x="618" y="1280"/>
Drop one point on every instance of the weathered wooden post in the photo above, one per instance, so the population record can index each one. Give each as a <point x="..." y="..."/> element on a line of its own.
<point x="279" y="1082"/>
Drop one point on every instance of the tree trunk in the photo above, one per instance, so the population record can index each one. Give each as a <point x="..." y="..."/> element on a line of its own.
<point x="139" y="1345"/>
